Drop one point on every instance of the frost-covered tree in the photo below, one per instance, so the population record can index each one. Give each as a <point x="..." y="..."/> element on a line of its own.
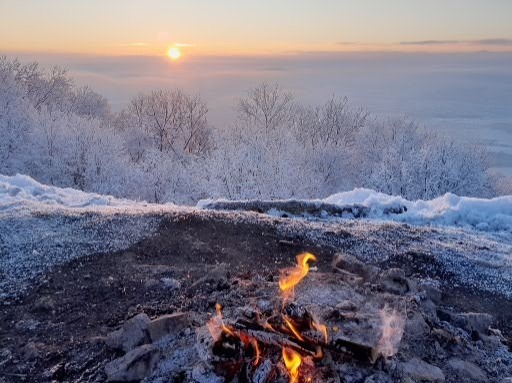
<point x="15" y="120"/>
<point x="161" y="148"/>
<point x="401" y="158"/>
<point x="172" y="120"/>
<point x="84" y="102"/>
<point x="256" y="157"/>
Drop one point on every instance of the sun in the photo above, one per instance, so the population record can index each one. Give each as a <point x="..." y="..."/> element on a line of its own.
<point x="174" y="53"/>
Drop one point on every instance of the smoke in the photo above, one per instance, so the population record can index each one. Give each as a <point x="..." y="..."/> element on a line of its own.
<point x="392" y="329"/>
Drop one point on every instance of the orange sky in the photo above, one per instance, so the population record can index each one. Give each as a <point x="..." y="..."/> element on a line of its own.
<point x="226" y="27"/>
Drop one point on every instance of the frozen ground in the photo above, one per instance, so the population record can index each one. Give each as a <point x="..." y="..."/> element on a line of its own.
<point x="42" y="226"/>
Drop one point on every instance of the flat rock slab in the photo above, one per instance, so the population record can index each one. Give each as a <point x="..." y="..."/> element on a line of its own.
<point x="133" y="333"/>
<point x="168" y="324"/>
<point x="467" y="370"/>
<point x="134" y="366"/>
<point x="419" y="370"/>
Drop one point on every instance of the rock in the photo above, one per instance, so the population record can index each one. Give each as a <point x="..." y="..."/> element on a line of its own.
<point x="394" y="281"/>
<point x="202" y="374"/>
<point x="378" y="377"/>
<point x="467" y="370"/>
<point x="168" y="324"/>
<point x="496" y="332"/>
<point x="491" y="343"/>
<point x="350" y="278"/>
<point x="416" y="327"/>
<point x="439" y="350"/>
<point x="44" y="304"/>
<point x="98" y="340"/>
<point x="264" y="305"/>
<point x="133" y="333"/>
<point x="353" y="265"/>
<point x="422" y="371"/>
<point x="454" y="319"/>
<point x="30" y="351"/>
<point x="351" y="374"/>
<point x="478" y="321"/>
<point x="134" y="366"/>
<point x="151" y="284"/>
<point x="218" y="277"/>
<point x="346" y="305"/>
<point x="446" y="337"/>
<point x="429" y="309"/>
<point x="171" y="283"/>
<point x="431" y="291"/>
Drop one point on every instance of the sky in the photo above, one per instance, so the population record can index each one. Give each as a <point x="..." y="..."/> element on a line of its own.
<point x="227" y="27"/>
<point x="445" y="63"/>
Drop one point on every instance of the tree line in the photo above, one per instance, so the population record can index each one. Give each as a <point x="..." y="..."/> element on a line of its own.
<point x="161" y="148"/>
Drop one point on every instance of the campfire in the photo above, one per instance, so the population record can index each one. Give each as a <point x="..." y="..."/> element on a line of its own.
<point x="287" y="342"/>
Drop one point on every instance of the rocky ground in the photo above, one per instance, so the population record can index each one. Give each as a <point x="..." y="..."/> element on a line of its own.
<point x="121" y="312"/>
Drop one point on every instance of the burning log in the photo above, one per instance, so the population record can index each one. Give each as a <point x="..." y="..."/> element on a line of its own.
<point x="308" y="345"/>
<point x="271" y="337"/>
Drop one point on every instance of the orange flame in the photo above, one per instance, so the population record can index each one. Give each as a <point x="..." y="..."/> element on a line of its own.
<point x="216" y="324"/>
<point x="292" y="361"/>
<point x="290" y="326"/>
<point x="323" y="329"/>
<point x="295" y="275"/>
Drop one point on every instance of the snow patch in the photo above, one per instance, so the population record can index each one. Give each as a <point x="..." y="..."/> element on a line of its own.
<point x="493" y="214"/>
<point x="18" y="189"/>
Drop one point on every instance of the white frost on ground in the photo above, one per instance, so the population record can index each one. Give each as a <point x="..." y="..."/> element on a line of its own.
<point x="43" y="226"/>
<point x="451" y="210"/>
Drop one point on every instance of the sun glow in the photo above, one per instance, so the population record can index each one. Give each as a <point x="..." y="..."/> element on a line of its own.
<point x="174" y="53"/>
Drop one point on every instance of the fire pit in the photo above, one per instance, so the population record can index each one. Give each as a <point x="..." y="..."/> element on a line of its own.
<point x="351" y="323"/>
<point x="299" y="337"/>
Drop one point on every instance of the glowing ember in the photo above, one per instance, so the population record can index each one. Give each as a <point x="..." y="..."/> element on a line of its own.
<point x="292" y="361"/>
<point x="294" y="275"/>
<point x="256" y="349"/>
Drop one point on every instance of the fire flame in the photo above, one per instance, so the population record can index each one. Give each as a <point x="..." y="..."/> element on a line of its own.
<point x="294" y="275"/>
<point x="292" y="361"/>
<point x="290" y="326"/>
<point x="216" y="324"/>
<point x="323" y="329"/>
